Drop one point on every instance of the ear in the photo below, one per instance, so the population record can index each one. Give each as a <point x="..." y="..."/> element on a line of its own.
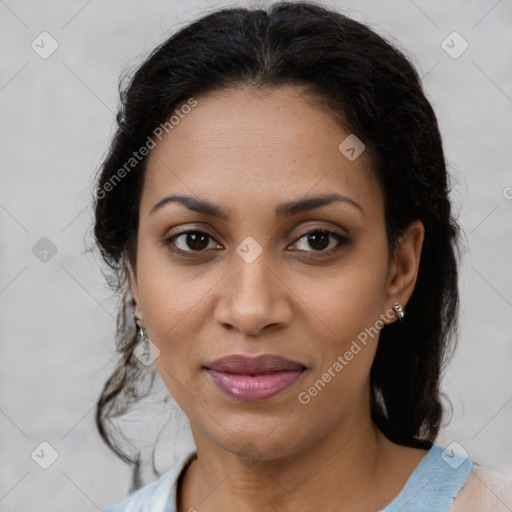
<point x="132" y="278"/>
<point x="403" y="270"/>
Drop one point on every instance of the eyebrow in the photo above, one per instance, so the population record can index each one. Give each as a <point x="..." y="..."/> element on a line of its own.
<point x="283" y="210"/>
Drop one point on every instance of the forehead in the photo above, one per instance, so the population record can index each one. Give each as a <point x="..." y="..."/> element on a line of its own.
<point x="247" y="146"/>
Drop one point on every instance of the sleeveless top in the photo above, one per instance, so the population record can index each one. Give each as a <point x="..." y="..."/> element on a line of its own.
<point x="431" y="487"/>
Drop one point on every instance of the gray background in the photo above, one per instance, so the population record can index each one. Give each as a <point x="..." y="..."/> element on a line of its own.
<point x="57" y="317"/>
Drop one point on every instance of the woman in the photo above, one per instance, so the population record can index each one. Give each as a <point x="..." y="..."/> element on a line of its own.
<point x="275" y="209"/>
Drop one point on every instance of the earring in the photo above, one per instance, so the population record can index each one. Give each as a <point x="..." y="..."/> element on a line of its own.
<point x="399" y="310"/>
<point x="142" y="331"/>
<point x="143" y="334"/>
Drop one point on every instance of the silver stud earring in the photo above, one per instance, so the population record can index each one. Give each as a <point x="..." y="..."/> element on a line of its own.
<point x="399" y="310"/>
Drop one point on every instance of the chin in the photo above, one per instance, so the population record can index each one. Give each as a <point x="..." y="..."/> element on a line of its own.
<point x="254" y="444"/>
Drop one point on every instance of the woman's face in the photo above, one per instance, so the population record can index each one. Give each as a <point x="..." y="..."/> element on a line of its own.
<point x="252" y="282"/>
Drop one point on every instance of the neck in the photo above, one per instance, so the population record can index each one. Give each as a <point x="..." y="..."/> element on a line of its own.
<point x="337" y="473"/>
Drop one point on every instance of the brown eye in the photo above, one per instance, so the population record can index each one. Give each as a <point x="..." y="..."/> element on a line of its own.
<point x="189" y="241"/>
<point x="319" y="241"/>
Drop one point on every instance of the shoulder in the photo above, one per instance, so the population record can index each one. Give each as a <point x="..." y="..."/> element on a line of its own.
<point x="484" y="490"/>
<point x="135" y="502"/>
<point x="154" y="496"/>
<point x="157" y="496"/>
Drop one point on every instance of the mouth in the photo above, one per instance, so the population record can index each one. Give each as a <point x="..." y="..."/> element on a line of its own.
<point x="254" y="379"/>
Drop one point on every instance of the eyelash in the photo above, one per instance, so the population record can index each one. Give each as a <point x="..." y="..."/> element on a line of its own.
<point x="342" y="240"/>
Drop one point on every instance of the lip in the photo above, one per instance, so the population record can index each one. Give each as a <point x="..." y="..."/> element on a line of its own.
<point x="254" y="379"/>
<point x="238" y="363"/>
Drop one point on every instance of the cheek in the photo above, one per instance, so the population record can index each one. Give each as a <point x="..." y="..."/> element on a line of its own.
<point x="345" y="354"/>
<point x="173" y="301"/>
<point x="353" y="299"/>
<point x="169" y="292"/>
<point x="350" y="306"/>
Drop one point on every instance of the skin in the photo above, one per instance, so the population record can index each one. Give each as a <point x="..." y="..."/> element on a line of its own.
<point x="248" y="151"/>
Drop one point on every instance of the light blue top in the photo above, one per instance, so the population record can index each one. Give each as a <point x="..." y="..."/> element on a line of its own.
<point x="432" y="486"/>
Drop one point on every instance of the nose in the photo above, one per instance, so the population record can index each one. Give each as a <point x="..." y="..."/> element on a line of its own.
<point x="253" y="298"/>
